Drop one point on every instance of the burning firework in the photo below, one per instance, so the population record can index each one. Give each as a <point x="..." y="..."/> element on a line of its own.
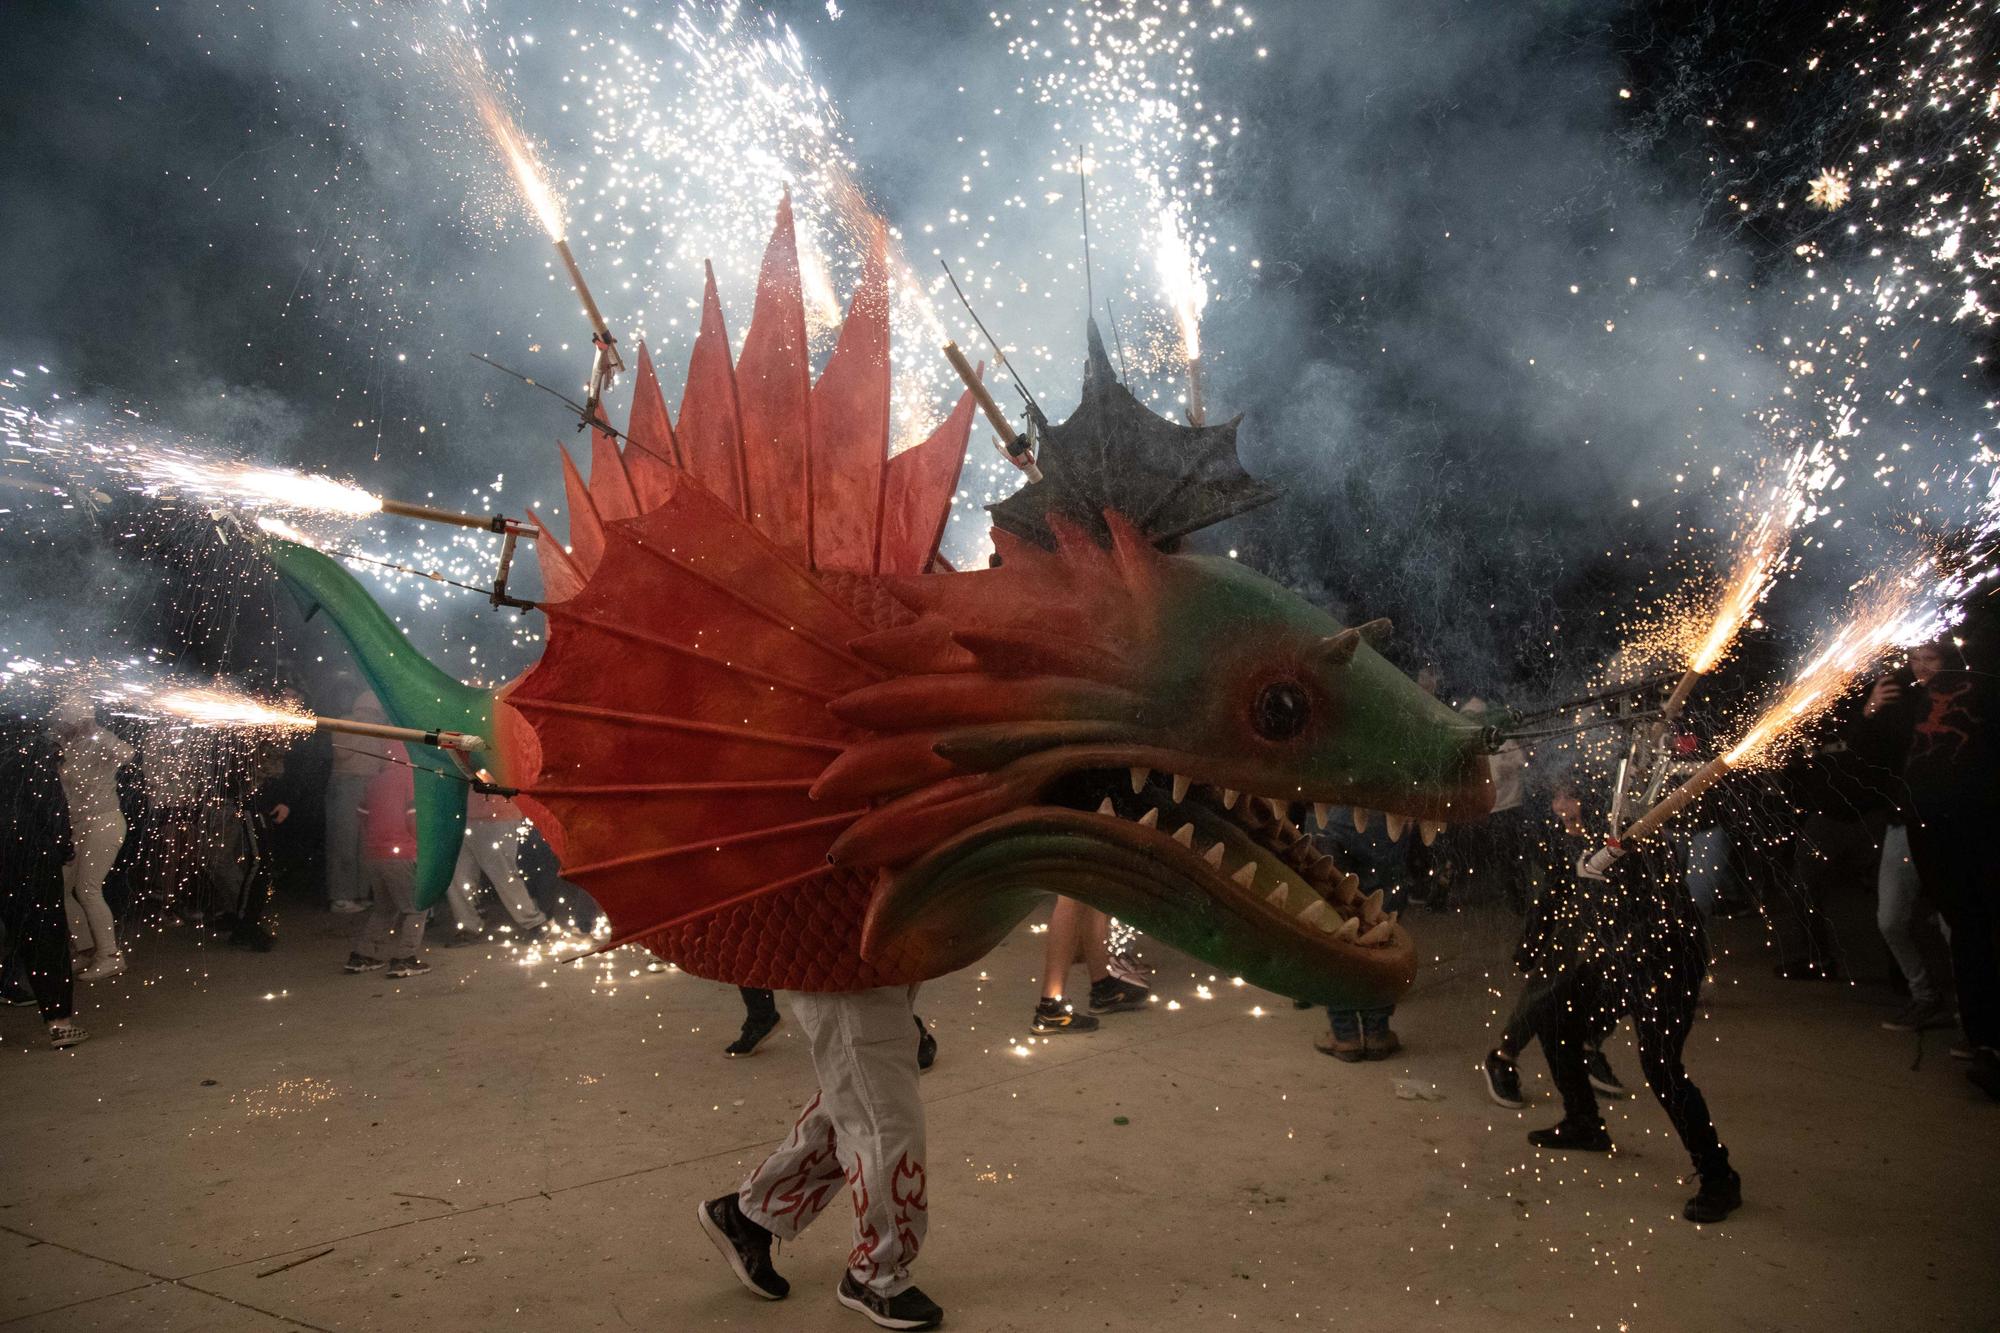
<point x="1174" y="255"/>
<point x="217" y="706"/>
<point x="1908" y="607"/>
<point x="1829" y="190"/>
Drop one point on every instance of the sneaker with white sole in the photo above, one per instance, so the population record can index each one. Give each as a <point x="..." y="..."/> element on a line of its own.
<point x="68" y="1032"/>
<point x="361" y="962"/>
<point x="104" y="966"/>
<point x="908" y="1308"/>
<point x="1601" y="1077"/>
<point x="1503" y="1082"/>
<point x="744" y="1244"/>
<point x="408" y="967"/>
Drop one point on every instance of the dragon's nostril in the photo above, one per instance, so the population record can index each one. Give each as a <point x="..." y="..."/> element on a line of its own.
<point x="1281" y="711"/>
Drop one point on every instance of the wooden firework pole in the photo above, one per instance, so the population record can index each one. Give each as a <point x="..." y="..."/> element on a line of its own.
<point x="461" y="741"/>
<point x="1012" y="442"/>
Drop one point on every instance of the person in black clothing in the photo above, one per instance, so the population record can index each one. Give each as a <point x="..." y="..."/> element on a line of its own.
<point x="1632" y="944"/>
<point x="35" y="844"/>
<point x="248" y="854"/>
<point x="1561" y="841"/>
<point x="1953" y="773"/>
<point x="1845" y="789"/>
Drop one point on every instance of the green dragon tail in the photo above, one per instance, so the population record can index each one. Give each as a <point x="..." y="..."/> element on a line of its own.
<point x="414" y="693"/>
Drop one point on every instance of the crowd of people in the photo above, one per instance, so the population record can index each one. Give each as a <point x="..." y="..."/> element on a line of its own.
<point x="172" y="825"/>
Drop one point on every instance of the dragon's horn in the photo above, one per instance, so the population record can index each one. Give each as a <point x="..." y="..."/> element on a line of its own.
<point x="414" y="693"/>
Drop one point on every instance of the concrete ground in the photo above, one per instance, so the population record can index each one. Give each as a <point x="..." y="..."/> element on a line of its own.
<point x="259" y="1142"/>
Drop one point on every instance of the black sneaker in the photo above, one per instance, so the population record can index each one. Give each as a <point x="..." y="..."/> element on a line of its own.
<point x="744" y="1244"/>
<point x="1503" y="1081"/>
<point x="756" y="1027"/>
<point x="408" y="967"/>
<point x="1984" y="1071"/>
<point x="1720" y="1195"/>
<point x="1601" y="1076"/>
<point x="1919" y="1016"/>
<point x="1568" y="1136"/>
<point x="926" y="1047"/>
<point x="361" y="962"/>
<point x="1055" y="1016"/>
<point x="908" y="1308"/>
<point x="1112" y="996"/>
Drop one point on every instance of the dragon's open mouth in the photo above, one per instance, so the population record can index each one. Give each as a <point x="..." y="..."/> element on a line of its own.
<point x="1224" y="874"/>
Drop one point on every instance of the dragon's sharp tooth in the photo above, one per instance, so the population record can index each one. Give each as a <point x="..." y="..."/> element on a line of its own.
<point x="1106" y="808"/>
<point x="1318" y="914"/>
<point x="1278" y="808"/>
<point x="1428" y="830"/>
<point x="1360" y="819"/>
<point x="1247" y="876"/>
<point x="1139" y="776"/>
<point x="1229" y="796"/>
<point x="1395" y="824"/>
<point x="1151" y="819"/>
<point x="1378" y="933"/>
<point x="1349" y="928"/>
<point x="1184" y="835"/>
<point x="1279" y="897"/>
<point x="1320" y="811"/>
<point x="1213" y="856"/>
<point x="1181" y="785"/>
<point x="1371" y="906"/>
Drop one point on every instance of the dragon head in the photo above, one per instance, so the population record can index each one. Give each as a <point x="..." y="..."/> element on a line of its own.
<point x="1136" y="729"/>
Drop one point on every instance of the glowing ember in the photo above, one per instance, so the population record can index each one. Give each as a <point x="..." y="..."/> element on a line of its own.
<point x="1829" y="190"/>
<point x="214" y="707"/>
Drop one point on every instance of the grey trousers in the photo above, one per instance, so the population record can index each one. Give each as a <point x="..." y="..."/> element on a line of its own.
<point x="492" y="849"/>
<point x="864" y="1128"/>
<point x="1897" y="908"/>
<point x="343" y="837"/>
<point x="393" y="927"/>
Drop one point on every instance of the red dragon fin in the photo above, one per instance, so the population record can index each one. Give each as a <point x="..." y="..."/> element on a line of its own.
<point x="850" y="418"/>
<point x="653" y="453"/>
<point x="680" y="708"/>
<point x="711" y="423"/>
<point x="774" y="387"/>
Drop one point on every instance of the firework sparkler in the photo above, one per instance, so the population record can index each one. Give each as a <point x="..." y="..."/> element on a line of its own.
<point x="1896" y="611"/>
<point x="1187" y="295"/>
<point x="215" y="706"/>
<point x="531" y="179"/>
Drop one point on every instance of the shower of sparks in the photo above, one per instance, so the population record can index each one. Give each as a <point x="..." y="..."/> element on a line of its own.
<point x="1775" y="509"/>
<point x="1906" y="607"/>
<point x="245" y="485"/>
<point x="1180" y="278"/>
<point x="218" y="706"/>
<point x="523" y="163"/>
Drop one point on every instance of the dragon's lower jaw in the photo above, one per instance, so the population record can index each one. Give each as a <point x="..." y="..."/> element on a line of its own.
<point x="1238" y="888"/>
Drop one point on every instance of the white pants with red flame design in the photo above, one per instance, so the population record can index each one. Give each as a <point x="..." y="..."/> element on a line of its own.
<point x="864" y="1128"/>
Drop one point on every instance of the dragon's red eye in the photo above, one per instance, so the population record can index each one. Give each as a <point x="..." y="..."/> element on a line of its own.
<point x="1281" y="711"/>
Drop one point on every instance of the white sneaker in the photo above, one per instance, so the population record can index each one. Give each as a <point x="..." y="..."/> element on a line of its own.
<point x="347" y="906"/>
<point x="66" y="1033"/>
<point x="105" y="965"/>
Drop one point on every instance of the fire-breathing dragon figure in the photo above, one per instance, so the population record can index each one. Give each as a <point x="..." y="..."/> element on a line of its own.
<point x="780" y="746"/>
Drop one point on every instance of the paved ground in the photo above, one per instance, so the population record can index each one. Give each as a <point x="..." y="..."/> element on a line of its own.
<point x="257" y="1142"/>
